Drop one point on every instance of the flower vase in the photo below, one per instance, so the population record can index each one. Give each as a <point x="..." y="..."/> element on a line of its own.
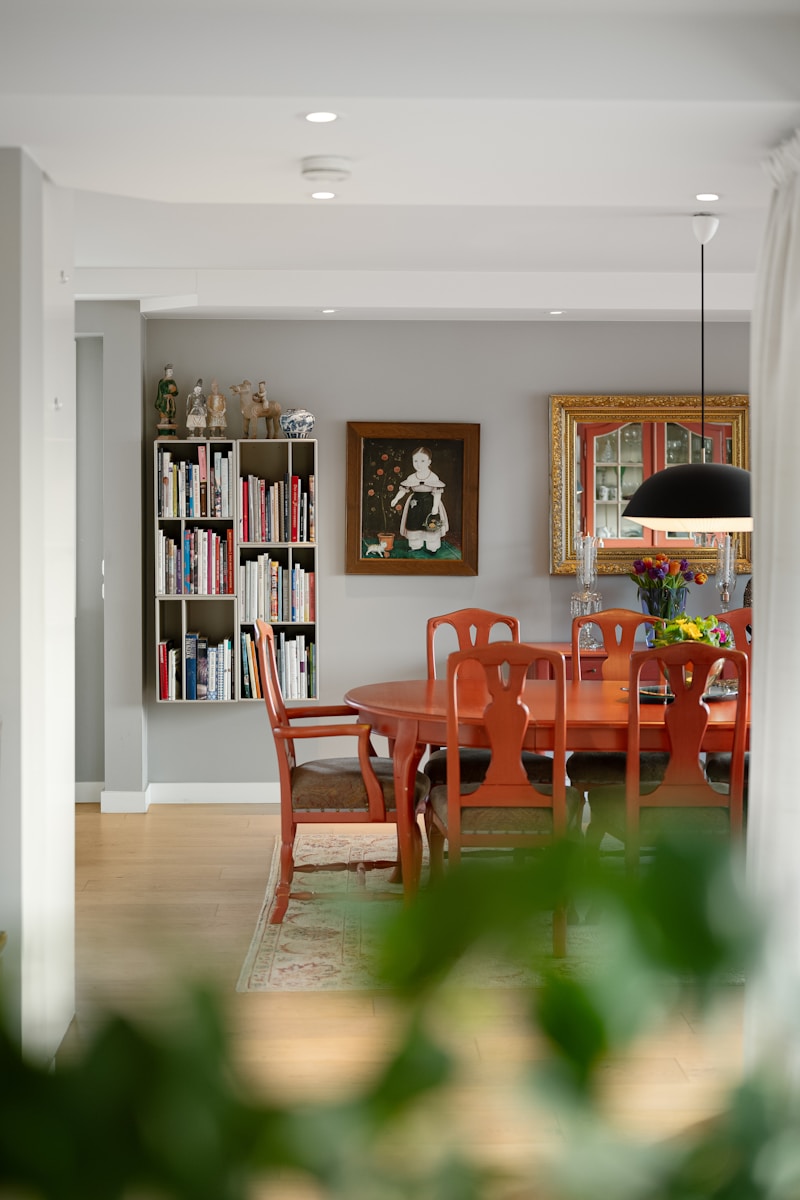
<point x="667" y="603"/>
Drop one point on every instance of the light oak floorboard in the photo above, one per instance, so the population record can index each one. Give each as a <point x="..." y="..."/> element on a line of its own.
<point x="173" y="895"/>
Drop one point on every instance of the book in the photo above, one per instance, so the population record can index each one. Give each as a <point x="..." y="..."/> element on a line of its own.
<point x="190" y="661"/>
<point x="202" y="471"/>
<point x="229" y="584"/>
<point x="163" y="679"/>
<point x="202" y="667"/>
<point x="211" y="676"/>
<point x="254" y="676"/>
<point x="247" y="692"/>
<point x="294" y="508"/>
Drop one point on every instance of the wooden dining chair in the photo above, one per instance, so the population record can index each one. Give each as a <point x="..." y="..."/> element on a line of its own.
<point x="618" y="628"/>
<point x="505" y="809"/>
<point x="322" y="790"/>
<point x="470" y="627"/>
<point x="637" y="811"/>
<point x="740" y="623"/>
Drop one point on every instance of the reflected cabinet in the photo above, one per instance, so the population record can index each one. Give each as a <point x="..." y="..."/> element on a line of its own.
<point x="603" y="447"/>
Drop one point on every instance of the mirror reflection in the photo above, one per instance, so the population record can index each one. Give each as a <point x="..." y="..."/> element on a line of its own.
<point x="603" y="447"/>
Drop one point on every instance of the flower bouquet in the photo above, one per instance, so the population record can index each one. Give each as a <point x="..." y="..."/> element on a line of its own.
<point x="662" y="584"/>
<point x="695" y="629"/>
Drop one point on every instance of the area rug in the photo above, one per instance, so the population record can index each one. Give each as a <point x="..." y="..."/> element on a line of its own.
<point x="330" y="943"/>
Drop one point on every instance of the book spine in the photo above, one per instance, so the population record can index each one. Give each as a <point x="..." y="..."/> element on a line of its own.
<point x="246" y="691"/>
<point x="163" y="679"/>
<point x="190" y="661"/>
<point x="294" y="508"/>
<point x="202" y="469"/>
<point x="202" y="668"/>
<point x="312" y="523"/>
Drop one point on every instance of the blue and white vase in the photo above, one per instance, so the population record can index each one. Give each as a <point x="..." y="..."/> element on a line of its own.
<point x="297" y="422"/>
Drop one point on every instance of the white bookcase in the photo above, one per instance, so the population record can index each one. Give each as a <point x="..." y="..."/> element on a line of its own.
<point x="235" y="540"/>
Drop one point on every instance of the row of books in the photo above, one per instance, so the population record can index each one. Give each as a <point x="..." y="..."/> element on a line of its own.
<point x="209" y="668"/>
<point x="276" y="512"/>
<point x="196" y="489"/>
<point x="270" y="591"/>
<point x="297" y="667"/>
<point x="202" y="564"/>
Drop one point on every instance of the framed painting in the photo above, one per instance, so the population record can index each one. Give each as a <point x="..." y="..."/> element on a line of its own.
<point x="412" y="498"/>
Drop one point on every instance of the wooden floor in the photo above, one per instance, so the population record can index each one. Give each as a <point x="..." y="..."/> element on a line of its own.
<point x="174" y="895"/>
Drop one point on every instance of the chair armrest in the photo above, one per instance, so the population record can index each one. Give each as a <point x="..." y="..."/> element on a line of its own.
<point x="321" y="710"/>
<point x="310" y="731"/>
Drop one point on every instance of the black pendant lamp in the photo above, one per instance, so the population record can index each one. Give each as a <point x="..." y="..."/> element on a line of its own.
<point x="696" y="497"/>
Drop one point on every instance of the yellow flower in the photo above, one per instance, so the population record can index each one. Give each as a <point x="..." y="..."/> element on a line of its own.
<point x="691" y="630"/>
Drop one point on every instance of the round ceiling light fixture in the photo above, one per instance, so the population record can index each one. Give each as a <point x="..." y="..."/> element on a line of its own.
<point x="325" y="168"/>
<point x="321" y="118"/>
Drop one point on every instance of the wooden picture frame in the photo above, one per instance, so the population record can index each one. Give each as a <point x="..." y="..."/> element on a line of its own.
<point x="431" y="529"/>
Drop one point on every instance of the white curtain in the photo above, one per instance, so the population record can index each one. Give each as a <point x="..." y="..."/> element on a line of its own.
<point x="772" y="1003"/>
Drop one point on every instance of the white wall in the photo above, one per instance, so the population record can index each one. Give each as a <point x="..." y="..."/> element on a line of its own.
<point x="499" y="374"/>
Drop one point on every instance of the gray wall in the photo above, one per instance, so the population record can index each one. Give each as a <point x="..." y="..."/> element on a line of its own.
<point x="89" y="690"/>
<point x="499" y="374"/>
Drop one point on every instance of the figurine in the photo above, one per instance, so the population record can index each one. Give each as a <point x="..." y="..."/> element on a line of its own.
<point x="255" y="406"/>
<point x="166" y="404"/>
<point x="217" y="410"/>
<point x="196" y="411"/>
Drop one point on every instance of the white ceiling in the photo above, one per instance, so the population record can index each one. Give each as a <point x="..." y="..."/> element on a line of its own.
<point x="508" y="156"/>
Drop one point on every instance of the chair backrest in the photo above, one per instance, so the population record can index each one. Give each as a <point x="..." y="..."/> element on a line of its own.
<point x="740" y="623"/>
<point x="687" y="666"/>
<point x="506" y="717"/>
<point x="273" y="696"/>
<point x="473" y="627"/>
<point x="618" y="628"/>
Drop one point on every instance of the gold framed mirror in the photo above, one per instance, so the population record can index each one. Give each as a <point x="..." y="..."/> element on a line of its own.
<point x="602" y="447"/>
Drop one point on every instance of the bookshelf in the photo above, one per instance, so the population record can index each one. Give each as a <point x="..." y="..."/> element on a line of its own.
<point x="235" y="540"/>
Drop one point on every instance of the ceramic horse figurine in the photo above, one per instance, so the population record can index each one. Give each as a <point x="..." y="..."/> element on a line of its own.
<point x="255" y="406"/>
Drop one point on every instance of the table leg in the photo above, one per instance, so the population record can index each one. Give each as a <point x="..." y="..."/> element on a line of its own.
<point x="406" y="757"/>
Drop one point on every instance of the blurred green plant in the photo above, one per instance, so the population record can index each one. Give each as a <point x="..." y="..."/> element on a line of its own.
<point x="160" y="1112"/>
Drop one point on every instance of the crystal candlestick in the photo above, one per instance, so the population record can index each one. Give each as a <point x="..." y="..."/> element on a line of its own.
<point x="586" y="601"/>
<point x="726" y="570"/>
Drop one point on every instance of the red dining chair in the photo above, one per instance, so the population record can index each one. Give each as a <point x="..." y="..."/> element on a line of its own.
<point x="618" y="628"/>
<point x="505" y="809"/>
<point x="740" y="623"/>
<point x="474" y="627"/>
<point x="638" y="810"/>
<point x="322" y="790"/>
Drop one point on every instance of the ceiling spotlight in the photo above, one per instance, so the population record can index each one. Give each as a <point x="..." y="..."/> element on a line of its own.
<point x="707" y="197"/>
<point x="325" y="168"/>
<point x="556" y="312"/>
<point x="322" y="118"/>
<point x="329" y="310"/>
<point x="323" y="195"/>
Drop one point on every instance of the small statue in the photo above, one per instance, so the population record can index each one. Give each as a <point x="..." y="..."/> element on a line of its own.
<point x="196" y="411"/>
<point x="217" y="412"/>
<point x="166" y="404"/>
<point x="255" y="406"/>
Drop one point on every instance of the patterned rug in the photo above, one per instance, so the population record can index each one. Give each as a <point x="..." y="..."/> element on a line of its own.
<point x="329" y="943"/>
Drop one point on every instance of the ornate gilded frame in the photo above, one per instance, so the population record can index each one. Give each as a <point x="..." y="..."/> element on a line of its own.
<point x="567" y="412"/>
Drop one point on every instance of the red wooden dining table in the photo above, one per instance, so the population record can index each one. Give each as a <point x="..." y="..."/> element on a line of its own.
<point x="412" y="714"/>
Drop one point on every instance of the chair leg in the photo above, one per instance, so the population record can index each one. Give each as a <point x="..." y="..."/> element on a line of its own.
<point x="283" y="888"/>
<point x="436" y="839"/>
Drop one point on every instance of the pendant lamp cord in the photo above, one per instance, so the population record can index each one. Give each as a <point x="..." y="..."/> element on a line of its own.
<point x="702" y="356"/>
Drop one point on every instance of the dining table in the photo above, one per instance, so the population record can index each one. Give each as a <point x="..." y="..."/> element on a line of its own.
<point x="412" y="715"/>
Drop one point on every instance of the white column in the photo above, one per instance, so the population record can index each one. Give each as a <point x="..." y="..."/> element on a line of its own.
<point x="772" y="1011"/>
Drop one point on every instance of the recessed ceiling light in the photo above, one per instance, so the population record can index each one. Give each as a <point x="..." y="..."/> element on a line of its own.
<point x="322" y="118"/>
<point x="323" y="195"/>
<point x="329" y="310"/>
<point x="707" y="196"/>
<point x="556" y="312"/>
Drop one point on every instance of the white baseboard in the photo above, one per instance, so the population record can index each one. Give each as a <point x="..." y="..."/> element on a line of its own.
<point x="179" y="793"/>
<point x="123" y="802"/>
